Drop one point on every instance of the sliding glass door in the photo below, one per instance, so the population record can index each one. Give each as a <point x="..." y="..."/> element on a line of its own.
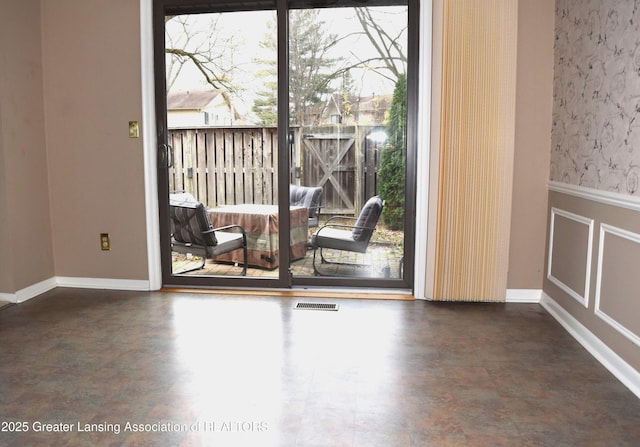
<point x="317" y="192"/>
<point x="221" y="157"/>
<point x="348" y="119"/>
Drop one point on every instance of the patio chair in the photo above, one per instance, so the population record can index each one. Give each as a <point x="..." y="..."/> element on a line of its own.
<point x="310" y="197"/>
<point x="338" y="234"/>
<point x="191" y="232"/>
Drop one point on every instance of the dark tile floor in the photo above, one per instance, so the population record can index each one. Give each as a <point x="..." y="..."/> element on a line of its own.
<point x="178" y="369"/>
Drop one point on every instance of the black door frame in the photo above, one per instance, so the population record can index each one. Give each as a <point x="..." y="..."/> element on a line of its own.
<point x="162" y="8"/>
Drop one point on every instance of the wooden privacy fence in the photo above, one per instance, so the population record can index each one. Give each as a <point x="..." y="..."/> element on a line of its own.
<point x="225" y="166"/>
<point x="233" y="165"/>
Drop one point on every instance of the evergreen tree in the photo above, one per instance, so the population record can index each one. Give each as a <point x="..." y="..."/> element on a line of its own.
<point x="348" y="87"/>
<point x="391" y="174"/>
<point x="265" y="106"/>
<point x="310" y="68"/>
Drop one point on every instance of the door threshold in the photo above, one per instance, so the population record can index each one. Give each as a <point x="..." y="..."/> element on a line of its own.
<point x="306" y="292"/>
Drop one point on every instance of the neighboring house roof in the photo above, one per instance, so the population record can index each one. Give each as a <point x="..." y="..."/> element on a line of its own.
<point x="357" y="105"/>
<point x="361" y="103"/>
<point x="371" y="103"/>
<point x="191" y="100"/>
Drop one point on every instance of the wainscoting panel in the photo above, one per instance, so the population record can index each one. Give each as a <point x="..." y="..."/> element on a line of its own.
<point x="570" y="252"/>
<point x="618" y="261"/>
<point x="600" y="290"/>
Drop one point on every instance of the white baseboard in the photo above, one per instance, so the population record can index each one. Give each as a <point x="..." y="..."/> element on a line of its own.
<point x="103" y="283"/>
<point x="609" y="359"/>
<point x="37" y="289"/>
<point x="524" y="295"/>
<point x="8" y="297"/>
<point x="27" y="293"/>
<point x="34" y="290"/>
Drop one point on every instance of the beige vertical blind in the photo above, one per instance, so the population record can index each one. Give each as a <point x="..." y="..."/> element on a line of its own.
<point x="476" y="138"/>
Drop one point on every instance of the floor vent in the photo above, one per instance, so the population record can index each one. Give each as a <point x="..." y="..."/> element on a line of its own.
<point x="316" y="306"/>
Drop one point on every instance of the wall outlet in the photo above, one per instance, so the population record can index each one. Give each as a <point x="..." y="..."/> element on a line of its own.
<point x="105" y="242"/>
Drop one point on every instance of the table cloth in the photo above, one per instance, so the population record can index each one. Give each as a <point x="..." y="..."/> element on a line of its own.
<point x="260" y="222"/>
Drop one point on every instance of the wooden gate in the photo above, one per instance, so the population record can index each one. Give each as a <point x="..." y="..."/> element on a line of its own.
<point x="329" y="161"/>
<point x="343" y="162"/>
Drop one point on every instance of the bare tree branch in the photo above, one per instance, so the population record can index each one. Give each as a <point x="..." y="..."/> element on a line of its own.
<point x="210" y="53"/>
<point x="210" y="76"/>
<point x="388" y="47"/>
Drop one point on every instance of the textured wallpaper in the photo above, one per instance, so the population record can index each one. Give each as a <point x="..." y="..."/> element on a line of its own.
<point x="596" y="107"/>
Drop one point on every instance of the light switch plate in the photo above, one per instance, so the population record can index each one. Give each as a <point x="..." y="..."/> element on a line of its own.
<point x="134" y="129"/>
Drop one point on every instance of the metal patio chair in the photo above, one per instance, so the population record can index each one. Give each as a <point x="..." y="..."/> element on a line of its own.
<point x="191" y="232"/>
<point x="310" y="197"/>
<point x="340" y="233"/>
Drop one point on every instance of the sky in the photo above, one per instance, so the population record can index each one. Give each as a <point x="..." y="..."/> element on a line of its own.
<point x="247" y="29"/>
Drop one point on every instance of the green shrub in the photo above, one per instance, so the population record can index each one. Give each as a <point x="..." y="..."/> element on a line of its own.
<point x="391" y="172"/>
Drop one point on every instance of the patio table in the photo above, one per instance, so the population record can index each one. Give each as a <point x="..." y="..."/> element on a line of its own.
<point x="261" y="224"/>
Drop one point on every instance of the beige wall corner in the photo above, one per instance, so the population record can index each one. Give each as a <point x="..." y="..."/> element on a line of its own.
<point x="6" y="277"/>
<point x="25" y="237"/>
<point x="92" y="90"/>
<point x="534" y="95"/>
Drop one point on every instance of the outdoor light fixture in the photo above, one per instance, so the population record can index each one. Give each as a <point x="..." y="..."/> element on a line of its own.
<point x="377" y="136"/>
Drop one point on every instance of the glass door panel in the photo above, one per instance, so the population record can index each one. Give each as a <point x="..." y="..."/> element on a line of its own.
<point x="348" y="126"/>
<point x="222" y="129"/>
